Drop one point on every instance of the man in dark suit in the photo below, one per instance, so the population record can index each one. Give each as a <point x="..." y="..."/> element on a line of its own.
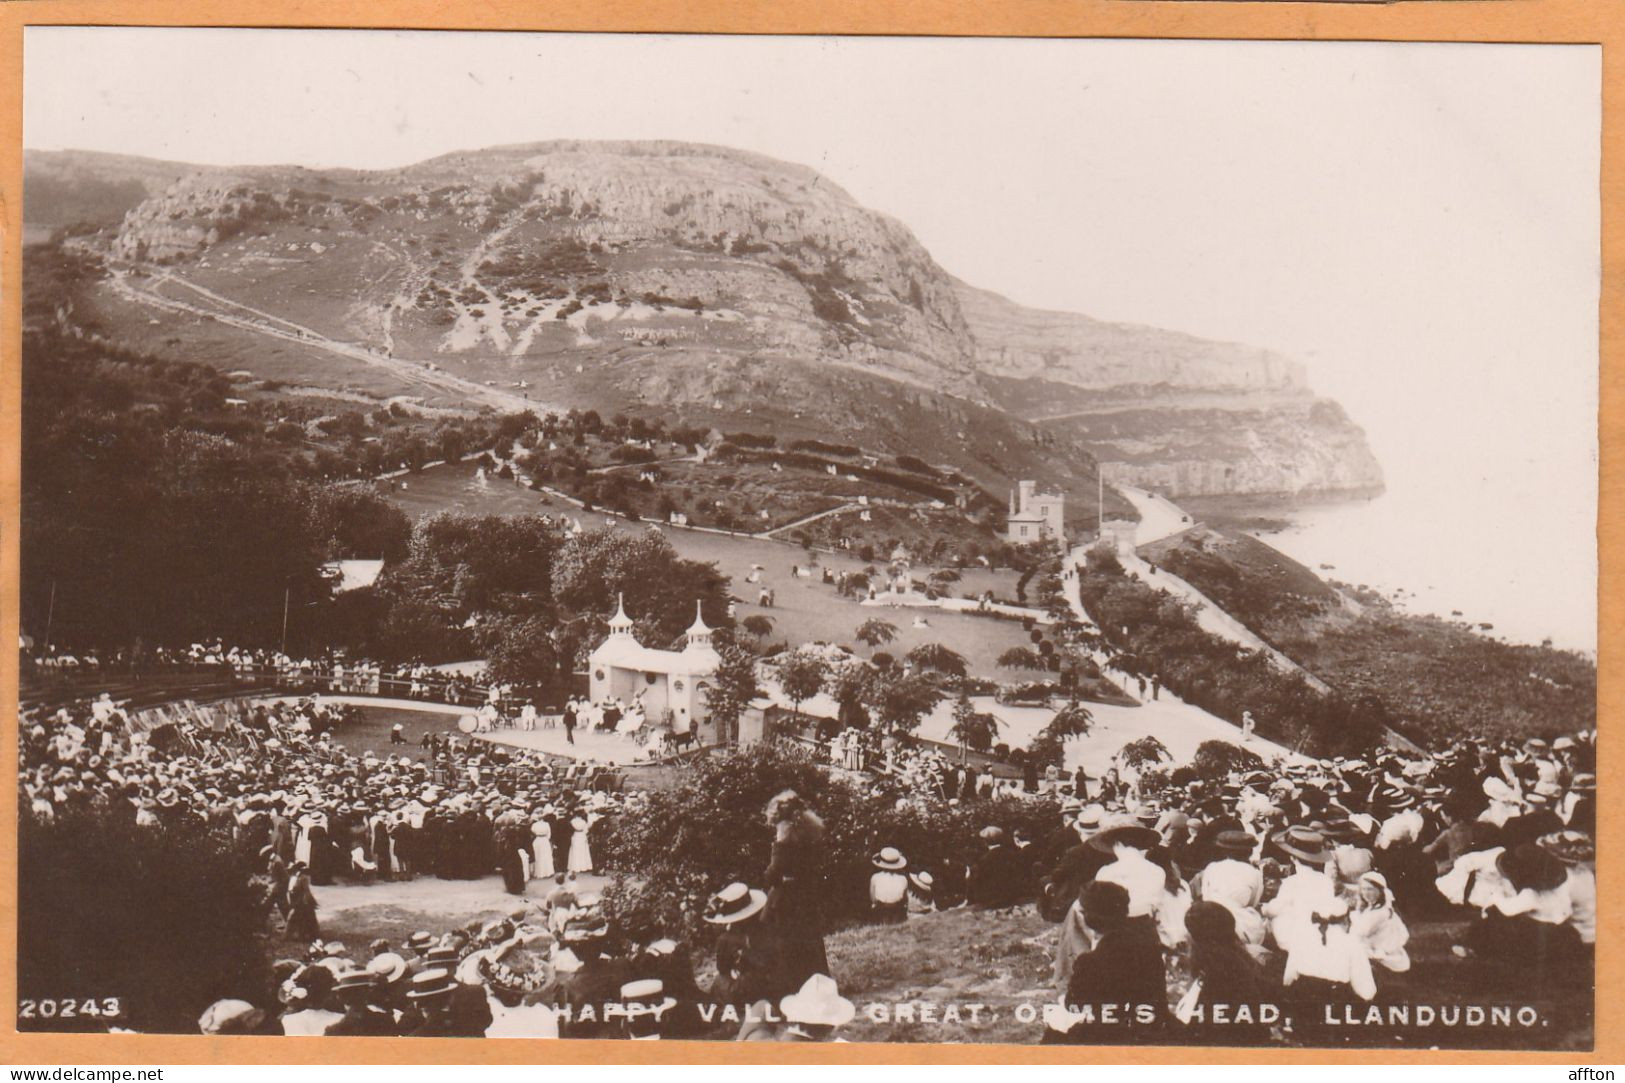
<point x="1120" y="987"/>
<point x="995" y="876"/>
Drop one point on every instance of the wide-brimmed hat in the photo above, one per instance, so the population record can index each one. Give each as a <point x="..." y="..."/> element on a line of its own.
<point x="1303" y="843"/>
<point x="1141" y="838"/>
<point x="889" y="858"/>
<point x="1584" y="781"/>
<point x="230" y="1017"/>
<point x="1530" y="866"/>
<point x="1340" y="830"/>
<point x="818" y="1003"/>
<point x="387" y="967"/>
<point x="922" y="880"/>
<point x="1569" y="847"/>
<point x="734" y="903"/>
<point x="420" y="942"/>
<point x="1562" y="743"/>
<point x="1235" y="842"/>
<point x="520" y="969"/>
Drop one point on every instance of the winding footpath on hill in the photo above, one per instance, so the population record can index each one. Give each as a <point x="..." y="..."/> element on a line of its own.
<point x="1160" y="518"/>
<point x="264" y="323"/>
<point x="1179" y="725"/>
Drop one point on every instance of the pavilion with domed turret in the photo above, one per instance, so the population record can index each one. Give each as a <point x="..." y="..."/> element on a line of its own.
<point x="622" y="668"/>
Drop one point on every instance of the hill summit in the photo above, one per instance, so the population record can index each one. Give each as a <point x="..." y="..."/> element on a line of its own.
<point x="701" y="282"/>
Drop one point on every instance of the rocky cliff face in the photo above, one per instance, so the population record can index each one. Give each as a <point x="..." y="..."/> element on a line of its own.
<point x="673" y="276"/>
<point x="1076" y="351"/>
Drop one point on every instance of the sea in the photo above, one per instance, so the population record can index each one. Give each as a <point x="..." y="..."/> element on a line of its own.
<point x="1525" y="568"/>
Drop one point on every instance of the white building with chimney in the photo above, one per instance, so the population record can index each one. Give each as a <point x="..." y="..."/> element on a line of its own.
<point x="1035" y="516"/>
<point x="622" y="668"/>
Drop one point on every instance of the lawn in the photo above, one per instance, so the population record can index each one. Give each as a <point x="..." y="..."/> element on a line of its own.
<point x="806" y="610"/>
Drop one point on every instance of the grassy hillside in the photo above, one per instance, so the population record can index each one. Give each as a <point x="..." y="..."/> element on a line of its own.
<point x="1437" y="678"/>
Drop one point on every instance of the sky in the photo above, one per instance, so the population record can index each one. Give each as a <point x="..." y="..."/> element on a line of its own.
<point x="1418" y="223"/>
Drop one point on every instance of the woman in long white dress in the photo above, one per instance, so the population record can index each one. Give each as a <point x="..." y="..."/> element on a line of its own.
<point x="541" y="868"/>
<point x="580" y="854"/>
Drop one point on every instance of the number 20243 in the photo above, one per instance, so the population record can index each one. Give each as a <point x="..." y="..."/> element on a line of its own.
<point x="70" y="1008"/>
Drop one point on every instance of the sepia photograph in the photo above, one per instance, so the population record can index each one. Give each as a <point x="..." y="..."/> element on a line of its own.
<point x="1084" y="542"/>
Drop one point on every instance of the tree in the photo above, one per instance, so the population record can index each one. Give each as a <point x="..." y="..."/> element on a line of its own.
<point x="875" y="632"/>
<point x="1073" y="720"/>
<point x="1020" y="658"/>
<point x="521" y="651"/>
<point x="757" y="625"/>
<point x="900" y="700"/>
<point x="733" y="686"/>
<point x="972" y="728"/>
<point x="1145" y="752"/>
<point x="934" y="656"/>
<point x="802" y="674"/>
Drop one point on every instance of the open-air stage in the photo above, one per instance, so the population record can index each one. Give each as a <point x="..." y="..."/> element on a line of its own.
<point x="418" y="717"/>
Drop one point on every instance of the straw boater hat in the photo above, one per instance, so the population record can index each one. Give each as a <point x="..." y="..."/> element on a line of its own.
<point x="891" y="859"/>
<point x="349" y="980"/>
<point x="922" y="880"/>
<point x="734" y="903"/>
<point x="819" y="1003"/>
<point x="647" y="996"/>
<point x="1303" y="843"/>
<point x="431" y="984"/>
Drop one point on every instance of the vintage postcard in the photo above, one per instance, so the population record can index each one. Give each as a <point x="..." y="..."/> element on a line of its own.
<point x="1069" y="542"/>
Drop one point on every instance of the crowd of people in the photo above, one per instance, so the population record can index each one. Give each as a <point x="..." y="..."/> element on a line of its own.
<point x="276" y="777"/>
<point x="1237" y="909"/>
<point x="1295" y="886"/>
<point x="330" y="671"/>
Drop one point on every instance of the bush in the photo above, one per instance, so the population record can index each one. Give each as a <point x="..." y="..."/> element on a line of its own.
<point x="670" y="853"/>
<point x="167" y="920"/>
<point x="1216" y="759"/>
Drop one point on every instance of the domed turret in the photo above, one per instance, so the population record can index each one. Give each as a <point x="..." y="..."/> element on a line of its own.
<point x="699" y="635"/>
<point x="620" y="624"/>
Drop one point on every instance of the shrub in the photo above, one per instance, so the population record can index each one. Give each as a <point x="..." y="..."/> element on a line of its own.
<point x="671" y="853"/>
<point x="1216" y="759"/>
<point x="167" y="920"/>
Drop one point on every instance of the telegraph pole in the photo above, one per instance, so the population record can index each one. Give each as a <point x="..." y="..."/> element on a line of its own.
<point x="50" y="613"/>
<point x="287" y="591"/>
<point x="1100" y="502"/>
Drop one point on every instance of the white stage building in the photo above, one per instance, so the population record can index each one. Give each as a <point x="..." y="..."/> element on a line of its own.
<point x="622" y="668"/>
